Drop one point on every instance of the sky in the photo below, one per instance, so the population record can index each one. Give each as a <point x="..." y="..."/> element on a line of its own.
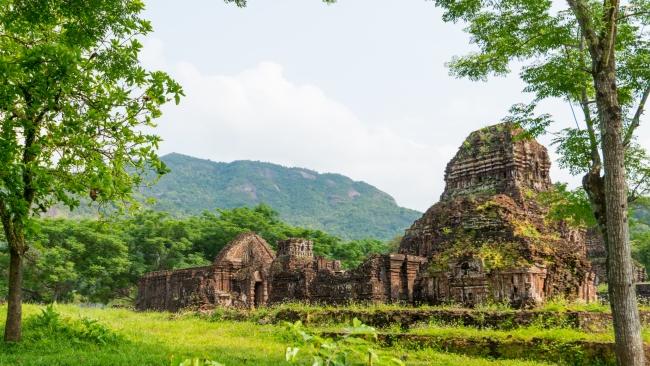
<point x="358" y="88"/>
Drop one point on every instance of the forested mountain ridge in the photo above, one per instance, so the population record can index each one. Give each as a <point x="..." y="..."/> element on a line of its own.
<point x="641" y="210"/>
<point x="302" y="197"/>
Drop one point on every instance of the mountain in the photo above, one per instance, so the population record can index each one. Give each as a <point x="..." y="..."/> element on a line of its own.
<point x="302" y="197"/>
<point x="640" y="216"/>
<point x="641" y="210"/>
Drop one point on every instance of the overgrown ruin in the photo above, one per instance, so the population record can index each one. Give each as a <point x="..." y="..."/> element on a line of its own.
<point x="247" y="273"/>
<point x="237" y="277"/>
<point x="487" y="239"/>
<point x="597" y="255"/>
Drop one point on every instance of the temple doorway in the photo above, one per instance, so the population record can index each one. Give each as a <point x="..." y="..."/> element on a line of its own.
<point x="258" y="289"/>
<point x="259" y="294"/>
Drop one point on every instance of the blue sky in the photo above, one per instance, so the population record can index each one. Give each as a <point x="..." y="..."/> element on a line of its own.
<point x="358" y="88"/>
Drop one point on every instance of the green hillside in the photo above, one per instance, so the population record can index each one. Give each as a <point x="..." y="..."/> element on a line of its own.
<point x="641" y="211"/>
<point x="305" y="198"/>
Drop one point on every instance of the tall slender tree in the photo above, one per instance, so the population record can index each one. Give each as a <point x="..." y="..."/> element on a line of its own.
<point x="74" y="107"/>
<point x="596" y="55"/>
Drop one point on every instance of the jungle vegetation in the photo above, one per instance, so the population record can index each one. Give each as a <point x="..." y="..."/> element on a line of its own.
<point x="100" y="261"/>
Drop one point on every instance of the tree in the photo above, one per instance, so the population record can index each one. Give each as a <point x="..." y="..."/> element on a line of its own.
<point x="595" y="55"/>
<point x="84" y="258"/>
<point x="74" y="105"/>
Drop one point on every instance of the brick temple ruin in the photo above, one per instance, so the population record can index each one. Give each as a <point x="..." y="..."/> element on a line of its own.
<point x="597" y="255"/>
<point x="486" y="239"/>
<point x="247" y="273"/>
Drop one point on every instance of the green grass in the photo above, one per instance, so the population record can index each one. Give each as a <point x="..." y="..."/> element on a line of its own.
<point x="367" y="307"/>
<point x="553" y="305"/>
<point x="523" y="333"/>
<point x="562" y="305"/>
<point x="156" y="338"/>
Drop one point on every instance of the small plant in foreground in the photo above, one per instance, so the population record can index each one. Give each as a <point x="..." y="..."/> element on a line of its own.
<point x="50" y="324"/>
<point x="354" y="347"/>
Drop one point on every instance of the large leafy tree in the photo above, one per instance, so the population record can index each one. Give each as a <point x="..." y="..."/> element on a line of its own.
<point x="84" y="258"/>
<point x="595" y="55"/>
<point x="74" y="107"/>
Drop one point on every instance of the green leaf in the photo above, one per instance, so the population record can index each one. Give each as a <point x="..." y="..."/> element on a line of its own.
<point x="291" y="353"/>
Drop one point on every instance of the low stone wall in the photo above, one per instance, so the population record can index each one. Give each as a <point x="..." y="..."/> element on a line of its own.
<point x="504" y="320"/>
<point x="174" y="290"/>
<point x="576" y="353"/>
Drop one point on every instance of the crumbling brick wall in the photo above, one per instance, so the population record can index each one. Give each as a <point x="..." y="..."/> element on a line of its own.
<point x="489" y="217"/>
<point x="597" y="254"/>
<point x="381" y="278"/>
<point x="174" y="290"/>
<point x="239" y="276"/>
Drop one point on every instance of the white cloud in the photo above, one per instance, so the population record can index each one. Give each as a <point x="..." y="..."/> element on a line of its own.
<point x="261" y="114"/>
<point x="258" y="114"/>
<point x="152" y="54"/>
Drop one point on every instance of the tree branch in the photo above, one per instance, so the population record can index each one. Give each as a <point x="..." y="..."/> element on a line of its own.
<point x="609" y="30"/>
<point x="596" y="163"/>
<point x="17" y="40"/>
<point x="634" y="193"/>
<point x="7" y="224"/>
<point x="636" y="120"/>
<point x="581" y="10"/>
<point x="593" y="142"/>
<point x="30" y="129"/>
<point x="632" y="15"/>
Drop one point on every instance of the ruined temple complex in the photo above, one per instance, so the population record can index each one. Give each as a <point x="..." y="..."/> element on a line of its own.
<point x="247" y="273"/>
<point x="486" y="239"/>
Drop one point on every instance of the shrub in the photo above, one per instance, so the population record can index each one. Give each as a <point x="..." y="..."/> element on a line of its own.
<point x="354" y="347"/>
<point x="50" y="324"/>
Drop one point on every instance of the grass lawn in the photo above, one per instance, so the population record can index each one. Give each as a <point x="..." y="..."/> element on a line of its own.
<point x="159" y="338"/>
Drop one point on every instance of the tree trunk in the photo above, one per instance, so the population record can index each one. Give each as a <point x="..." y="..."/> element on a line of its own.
<point x="594" y="185"/>
<point x="620" y="268"/>
<point x="14" y="308"/>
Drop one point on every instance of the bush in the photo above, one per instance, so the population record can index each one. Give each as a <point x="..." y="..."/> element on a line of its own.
<point x="356" y="346"/>
<point x="50" y="324"/>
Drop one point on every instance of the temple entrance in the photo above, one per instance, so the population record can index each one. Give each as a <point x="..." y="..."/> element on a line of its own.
<point x="404" y="279"/>
<point x="259" y="294"/>
<point x="258" y="289"/>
